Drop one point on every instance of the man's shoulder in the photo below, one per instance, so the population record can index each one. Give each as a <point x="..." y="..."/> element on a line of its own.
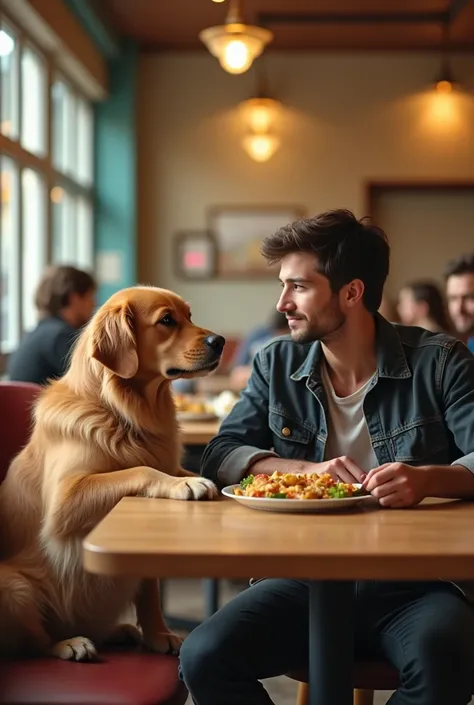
<point x="415" y="337"/>
<point x="283" y="348"/>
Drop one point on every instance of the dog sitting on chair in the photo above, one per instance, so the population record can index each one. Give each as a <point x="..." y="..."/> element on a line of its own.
<point x="104" y="431"/>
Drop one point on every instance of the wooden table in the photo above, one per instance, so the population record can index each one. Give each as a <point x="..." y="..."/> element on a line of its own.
<point x="198" y="433"/>
<point x="165" y="538"/>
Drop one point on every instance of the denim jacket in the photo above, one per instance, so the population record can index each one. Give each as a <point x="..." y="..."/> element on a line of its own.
<point x="419" y="408"/>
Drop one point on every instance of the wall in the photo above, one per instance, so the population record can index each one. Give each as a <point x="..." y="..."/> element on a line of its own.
<point x="349" y="119"/>
<point x="116" y="178"/>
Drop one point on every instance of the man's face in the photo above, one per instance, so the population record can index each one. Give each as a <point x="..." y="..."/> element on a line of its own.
<point x="460" y="295"/>
<point x="313" y="311"/>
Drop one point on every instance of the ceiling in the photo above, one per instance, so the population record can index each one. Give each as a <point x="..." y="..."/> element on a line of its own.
<point x="161" y="25"/>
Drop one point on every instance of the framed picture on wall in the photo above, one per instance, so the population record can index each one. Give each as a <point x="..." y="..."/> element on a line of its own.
<point x="195" y="254"/>
<point x="239" y="231"/>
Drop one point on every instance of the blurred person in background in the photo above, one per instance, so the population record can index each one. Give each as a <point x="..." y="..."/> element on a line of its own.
<point x="65" y="300"/>
<point x="242" y="363"/>
<point x="388" y="310"/>
<point x="459" y="275"/>
<point x="421" y="303"/>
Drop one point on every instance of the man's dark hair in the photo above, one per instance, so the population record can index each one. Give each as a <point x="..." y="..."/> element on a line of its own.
<point x="345" y="248"/>
<point x="56" y="286"/>
<point x="464" y="264"/>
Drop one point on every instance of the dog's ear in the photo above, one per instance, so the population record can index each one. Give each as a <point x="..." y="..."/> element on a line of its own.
<point x="113" y="341"/>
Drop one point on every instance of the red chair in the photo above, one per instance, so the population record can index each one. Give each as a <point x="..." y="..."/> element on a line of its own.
<point x="120" y="678"/>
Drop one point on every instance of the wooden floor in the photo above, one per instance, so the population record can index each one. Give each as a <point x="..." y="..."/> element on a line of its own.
<point x="184" y="598"/>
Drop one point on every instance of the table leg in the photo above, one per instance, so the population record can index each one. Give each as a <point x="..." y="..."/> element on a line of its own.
<point x="211" y="596"/>
<point x="331" y="642"/>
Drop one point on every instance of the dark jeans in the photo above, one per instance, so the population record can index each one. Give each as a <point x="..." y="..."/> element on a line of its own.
<point x="426" y="630"/>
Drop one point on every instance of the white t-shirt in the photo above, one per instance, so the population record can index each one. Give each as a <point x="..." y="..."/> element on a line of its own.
<point x="348" y="433"/>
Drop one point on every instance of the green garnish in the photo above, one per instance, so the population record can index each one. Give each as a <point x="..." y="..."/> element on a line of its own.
<point x="246" y="481"/>
<point x="278" y="495"/>
<point x="337" y="492"/>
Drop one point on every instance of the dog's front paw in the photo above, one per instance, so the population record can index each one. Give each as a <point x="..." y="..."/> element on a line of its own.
<point x="125" y="635"/>
<point x="164" y="643"/>
<point x="76" y="649"/>
<point x="194" y="488"/>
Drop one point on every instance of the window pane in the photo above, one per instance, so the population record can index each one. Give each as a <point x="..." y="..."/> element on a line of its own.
<point x="33" y="241"/>
<point x="9" y="256"/>
<point x="33" y="103"/>
<point x="64" y="128"/>
<point x="64" y="227"/>
<point x="85" y="142"/>
<point x="85" y="234"/>
<point x="9" y="79"/>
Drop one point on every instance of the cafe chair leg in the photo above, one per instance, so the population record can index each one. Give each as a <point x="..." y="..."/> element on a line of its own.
<point x="303" y="694"/>
<point x="363" y="697"/>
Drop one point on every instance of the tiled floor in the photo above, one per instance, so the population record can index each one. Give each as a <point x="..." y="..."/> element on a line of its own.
<point x="185" y="598"/>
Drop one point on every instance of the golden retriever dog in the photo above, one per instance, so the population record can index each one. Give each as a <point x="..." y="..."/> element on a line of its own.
<point x="106" y="430"/>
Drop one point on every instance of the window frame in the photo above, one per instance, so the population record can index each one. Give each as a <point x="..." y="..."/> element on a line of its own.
<point x="12" y="149"/>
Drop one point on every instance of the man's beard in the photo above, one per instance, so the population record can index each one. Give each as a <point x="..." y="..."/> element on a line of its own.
<point x="329" y="323"/>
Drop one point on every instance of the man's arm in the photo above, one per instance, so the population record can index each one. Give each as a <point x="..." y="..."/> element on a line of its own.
<point x="244" y="436"/>
<point x="458" y="394"/>
<point x="401" y="485"/>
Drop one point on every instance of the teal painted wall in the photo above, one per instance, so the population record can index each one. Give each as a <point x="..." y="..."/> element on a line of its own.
<point x="116" y="174"/>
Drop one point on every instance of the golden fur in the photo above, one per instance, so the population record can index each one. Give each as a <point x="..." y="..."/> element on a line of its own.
<point x="104" y="431"/>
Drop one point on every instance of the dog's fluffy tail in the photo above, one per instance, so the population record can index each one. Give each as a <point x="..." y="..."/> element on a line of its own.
<point x="21" y="629"/>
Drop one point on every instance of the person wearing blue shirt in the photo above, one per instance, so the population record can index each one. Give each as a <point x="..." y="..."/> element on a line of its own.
<point x="459" y="275"/>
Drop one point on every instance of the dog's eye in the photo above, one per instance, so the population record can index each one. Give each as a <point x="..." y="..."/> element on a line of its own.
<point x="167" y="320"/>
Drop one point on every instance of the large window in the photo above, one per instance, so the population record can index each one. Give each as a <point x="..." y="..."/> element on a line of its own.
<point x="46" y="177"/>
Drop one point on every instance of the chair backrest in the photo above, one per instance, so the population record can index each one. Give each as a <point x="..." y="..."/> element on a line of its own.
<point x="16" y="406"/>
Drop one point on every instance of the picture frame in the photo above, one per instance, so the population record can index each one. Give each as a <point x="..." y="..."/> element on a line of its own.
<point x="195" y="254"/>
<point x="238" y="232"/>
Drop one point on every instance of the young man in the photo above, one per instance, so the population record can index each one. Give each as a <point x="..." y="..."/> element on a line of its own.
<point x="65" y="300"/>
<point x="350" y="394"/>
<point x="459" y="276"/>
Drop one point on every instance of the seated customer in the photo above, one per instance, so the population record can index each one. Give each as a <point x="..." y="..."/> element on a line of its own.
<point x="366" y="401"/>
<point x="421" y="303"/>
<point x="242" y="364"/>
<point x="65" y="300"/>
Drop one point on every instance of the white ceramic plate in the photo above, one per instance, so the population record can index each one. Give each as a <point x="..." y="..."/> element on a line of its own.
<point x="196" y="416"/>
<point x="299" y="506"/>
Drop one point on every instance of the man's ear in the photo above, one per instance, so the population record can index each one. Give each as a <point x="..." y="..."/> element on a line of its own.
<point x="113" y="341"/>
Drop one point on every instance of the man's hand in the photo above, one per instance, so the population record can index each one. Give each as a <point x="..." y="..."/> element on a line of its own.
<point x="397" y="484"/>
<point x="343" y="469"/>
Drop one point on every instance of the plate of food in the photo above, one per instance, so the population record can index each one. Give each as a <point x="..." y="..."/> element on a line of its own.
<point x="290" y="492"/>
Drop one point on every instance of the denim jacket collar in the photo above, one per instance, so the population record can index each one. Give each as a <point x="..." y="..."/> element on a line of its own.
<point x="391" y="360"/>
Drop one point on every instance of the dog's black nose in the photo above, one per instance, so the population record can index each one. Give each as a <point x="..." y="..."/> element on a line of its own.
<point x="216" y="343"/>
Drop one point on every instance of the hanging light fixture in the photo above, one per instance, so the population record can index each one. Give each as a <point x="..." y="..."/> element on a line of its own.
<point x="260" y="147"/>
<point x="445" y="81"/>
<point x="260" y="114"/>
<point x="235" y="44"/>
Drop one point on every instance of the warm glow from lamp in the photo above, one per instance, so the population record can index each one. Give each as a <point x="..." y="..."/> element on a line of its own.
<point x="260" y="113"/>
<point x="260" y="147"/>
<point x="444" y="86"/>
<point x="236" y="57"/>
<point x="235" y="44"/>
